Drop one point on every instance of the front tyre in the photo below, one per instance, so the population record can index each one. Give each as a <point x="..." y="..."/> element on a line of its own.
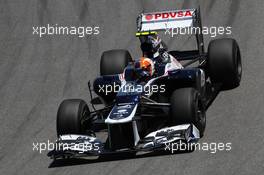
<point x="187" y="107"/>
<point x="70" y="116"/>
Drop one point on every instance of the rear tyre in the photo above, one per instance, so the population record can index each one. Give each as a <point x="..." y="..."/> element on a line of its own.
<point x="70" y="115"/>
<point x="114" y="61"/>
<point x="186" y="107"/>
<point x="224" y="63"/>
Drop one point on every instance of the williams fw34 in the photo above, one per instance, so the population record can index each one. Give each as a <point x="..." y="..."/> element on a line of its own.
<point x="151" y="101"/>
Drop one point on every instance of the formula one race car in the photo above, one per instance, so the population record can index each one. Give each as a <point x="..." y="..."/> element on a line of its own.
<point x="152" y="101"/>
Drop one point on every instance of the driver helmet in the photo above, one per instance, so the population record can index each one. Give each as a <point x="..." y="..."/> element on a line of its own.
<point x="147" y="64"/>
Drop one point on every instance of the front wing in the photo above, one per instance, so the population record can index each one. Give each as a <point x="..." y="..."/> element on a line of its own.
<point x="73" y="146"/>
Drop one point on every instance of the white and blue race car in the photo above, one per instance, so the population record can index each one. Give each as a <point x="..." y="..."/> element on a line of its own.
<point x="151" y="101"/>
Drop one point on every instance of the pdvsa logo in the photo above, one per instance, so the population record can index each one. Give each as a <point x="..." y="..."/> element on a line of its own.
<point x="168" y="15"/>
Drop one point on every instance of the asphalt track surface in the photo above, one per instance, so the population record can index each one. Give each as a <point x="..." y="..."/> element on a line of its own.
<point x="36" y="74"/>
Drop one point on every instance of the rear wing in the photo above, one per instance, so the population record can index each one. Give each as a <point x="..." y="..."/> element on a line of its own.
<point x="165" y="20"/>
